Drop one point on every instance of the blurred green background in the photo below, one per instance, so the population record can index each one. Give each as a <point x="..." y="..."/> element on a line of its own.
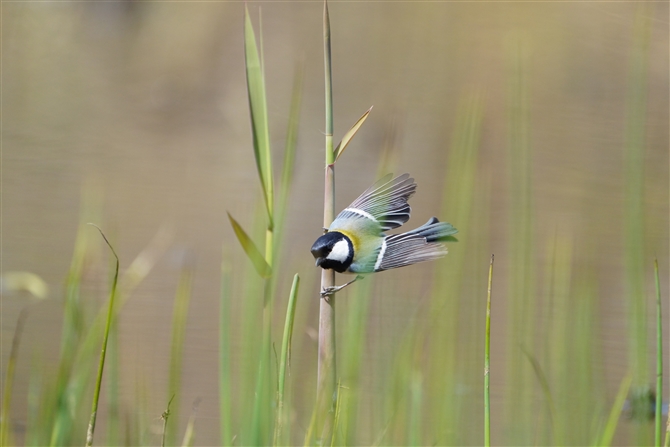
<point x="539" y="130"/>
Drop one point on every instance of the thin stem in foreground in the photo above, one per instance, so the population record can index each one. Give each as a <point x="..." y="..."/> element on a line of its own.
<point x="285" y="358"/>
<point x="101" y="365"/>
<point x="164" y="417"/>
<point x="658" y="418"/>
<point x="5" y="422"/>
<point x="487" y="358"/>
<point x="326" y="351"/>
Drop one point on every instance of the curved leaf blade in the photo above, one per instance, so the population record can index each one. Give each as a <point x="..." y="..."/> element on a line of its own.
<point x="350" y="134"/>
<point x="259" y="113"/>
<point x="254" y="255"/>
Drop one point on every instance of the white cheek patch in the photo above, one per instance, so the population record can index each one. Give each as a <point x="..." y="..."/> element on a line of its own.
<point x="340" y="251"/>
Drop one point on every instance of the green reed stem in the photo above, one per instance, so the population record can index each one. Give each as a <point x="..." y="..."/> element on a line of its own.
<point x="285" y="358"/>
<point x="487" y="362"/>
<point x="326" y="351"/>
<point x="9" y="378"/>
<point x="164" y="417"/>
<point x="101" y="365"/>
<point x="225" y="401"/>
<point x="615" y="413"/>
<point x="658" y="420"/>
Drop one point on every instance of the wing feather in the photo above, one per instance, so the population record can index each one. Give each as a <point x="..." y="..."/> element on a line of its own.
<point x="386" y="200"/>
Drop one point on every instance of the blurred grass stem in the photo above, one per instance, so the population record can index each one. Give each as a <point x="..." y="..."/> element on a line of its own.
<point x="225" y="399"/>
<point x="164" y="417"/>
<point x="5" y="422"/>
<point x="101" y="365"/>
<point x="487" y="362"/>
<point x="285" y="358"/>
<point x="179" y="319"/>
<point x="658" y="417"/>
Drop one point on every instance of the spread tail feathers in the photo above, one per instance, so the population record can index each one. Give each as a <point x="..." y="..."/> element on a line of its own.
<point x="419" y="245"/>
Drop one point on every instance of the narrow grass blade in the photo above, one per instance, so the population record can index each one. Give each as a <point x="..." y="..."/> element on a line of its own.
<point x="17" y="282"/>
<point x="259" y="120"/>
<point x="634" y="214"/>
<point x="164" y="417"/>
<point x="189" y="434"/>
<point x="487" y="362"/>
<point x="38" y="401"/>
<point x="290" y="147"/>
<point x="225" y="324"/>
<point x="142" y="265"/>
<point x="542" y="378"/>
<point x="285" y="359"/>
<point x="353" y="345"/>
<point x="659" y="397"/>
<point x="260" y="420"/>
<point x="615" y="413"/>
<point x="259" y="114"/>
<point x="658" y="417"/>
<point x="292" y="133"/>
<point x="64" y="405"/>
<point x="522" y="244"/>
<point x="113" y="419"/>
<point x="309" y="433"/>
<point x="350" y="134"/>
<point x="79" y="348"/>
<point x="5" y="422"/>
<point x="339" y="403"/>
<point x="101" y="365"/>
<point x="179" y="317"/>
<point x="446" y="329"/>
<point x="254" y="255"/>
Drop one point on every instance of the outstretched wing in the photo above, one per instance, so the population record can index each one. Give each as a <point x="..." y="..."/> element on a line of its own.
<point x="385" y="202"/>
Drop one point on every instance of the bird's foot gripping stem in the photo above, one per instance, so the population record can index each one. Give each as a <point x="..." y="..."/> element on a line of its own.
<point x="327" y="292"/>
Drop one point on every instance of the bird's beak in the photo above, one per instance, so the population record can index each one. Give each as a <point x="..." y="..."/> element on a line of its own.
<point x="319" y="261"/>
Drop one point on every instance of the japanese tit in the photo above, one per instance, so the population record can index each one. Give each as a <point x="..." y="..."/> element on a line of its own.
<point x="356" y="243"/>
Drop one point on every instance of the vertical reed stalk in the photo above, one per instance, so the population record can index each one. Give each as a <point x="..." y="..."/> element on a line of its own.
<point x="101" y="364"/>
<point x="262" y="153"/>
<point x="634" y="225"/>
<point x="607" y="434"/>
<point x="179" y="319"/>
<point x="326" y="359"/>
<point x="660" y="397"/>
<point x="658" y="420"/>
<point x="5" y="423"/>
<point x="521" y="254"/>
<point x="225" y="400"/>
<point x="164" y="418"/>
<point x="285" y="358"/>
<point x="487" y="358"/>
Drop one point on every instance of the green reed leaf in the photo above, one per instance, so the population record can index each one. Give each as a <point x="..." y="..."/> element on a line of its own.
<point x="350" y="134"/>
<point x="259" y="114"/>
<point x="254" y="255"/>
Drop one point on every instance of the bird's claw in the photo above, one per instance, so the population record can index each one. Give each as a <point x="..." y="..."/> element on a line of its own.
<point x="329" y="291"/>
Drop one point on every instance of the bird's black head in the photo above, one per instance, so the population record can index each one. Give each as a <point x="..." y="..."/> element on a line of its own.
<point x="333" y="251"/>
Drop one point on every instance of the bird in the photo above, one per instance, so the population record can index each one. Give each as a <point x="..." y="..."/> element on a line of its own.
<point x="356" y="241"/>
